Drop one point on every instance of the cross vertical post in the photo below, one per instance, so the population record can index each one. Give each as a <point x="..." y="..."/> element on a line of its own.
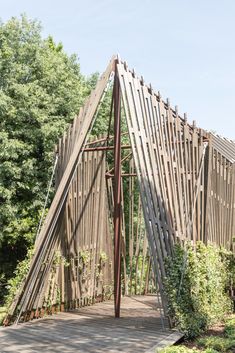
<point x="117" y="196"/>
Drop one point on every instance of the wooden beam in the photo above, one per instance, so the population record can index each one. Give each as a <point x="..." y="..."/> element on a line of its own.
<point x="117" y="197"/>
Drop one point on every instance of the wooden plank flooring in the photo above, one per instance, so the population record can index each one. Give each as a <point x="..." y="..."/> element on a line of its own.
<point x="93" y="329"/>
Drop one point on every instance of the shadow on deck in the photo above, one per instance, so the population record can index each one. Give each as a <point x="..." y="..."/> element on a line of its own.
<point x="93" y="329"/>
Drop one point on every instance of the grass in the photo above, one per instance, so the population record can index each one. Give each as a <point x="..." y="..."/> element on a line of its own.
<point x="184" y="349"/>
<point x="216" y="341"/>
<point x="221" y="344"/>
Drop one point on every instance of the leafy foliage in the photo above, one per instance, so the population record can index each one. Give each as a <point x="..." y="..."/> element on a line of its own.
<point x="184" y="349"/>
<point x="218" y="343"/>
<point x="225" y="343"/>
<point x="210" y="344"/>
<point x="229" y="329"/>
<point x="19" y="275"/>
<point x="198" y="297"/>
<point x="2" y="314"/>
<point x="41" y="90"/>
<point x="177" y="349"/>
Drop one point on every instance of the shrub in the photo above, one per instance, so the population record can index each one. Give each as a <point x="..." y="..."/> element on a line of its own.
<point x="20" y="274"/>
<point x="195" y="285"/>
<point x="183" y="349"/>
<point x="2" y="314"/>
<point x="178" y="349"/>
<point x="229" y="329"/>
<point x="218" y="343"/>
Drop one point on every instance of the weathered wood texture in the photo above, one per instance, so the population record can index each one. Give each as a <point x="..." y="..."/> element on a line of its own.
<point x="185" y="178"/>
<point x="85" y="242"/>
<point x="220" y="220"/>
<point x="93" y="329"/>
<point x="79" y="263"/>
<point x="31" y="294"/>
<point x="167" y="154"/>
<point x="85" y="239"/>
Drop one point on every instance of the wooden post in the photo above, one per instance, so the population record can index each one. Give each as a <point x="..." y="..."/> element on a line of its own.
<point x="117" y="197"/>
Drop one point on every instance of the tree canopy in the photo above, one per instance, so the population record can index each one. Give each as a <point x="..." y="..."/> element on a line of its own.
<point x="41" y="90"/>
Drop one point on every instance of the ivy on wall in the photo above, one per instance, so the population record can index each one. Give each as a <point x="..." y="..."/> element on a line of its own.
<point x="197" y="287"/>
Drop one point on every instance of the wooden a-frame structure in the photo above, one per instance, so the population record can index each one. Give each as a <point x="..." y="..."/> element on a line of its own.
<point x="187" y="186"/>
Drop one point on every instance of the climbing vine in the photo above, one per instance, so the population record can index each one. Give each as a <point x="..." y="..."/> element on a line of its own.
<point x="197" y="287"/>
<point x="20" y="273"/>
<point x="54" y="294"/>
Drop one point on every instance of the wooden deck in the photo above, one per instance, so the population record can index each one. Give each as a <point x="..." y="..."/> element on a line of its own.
<point x="93" y="329"/>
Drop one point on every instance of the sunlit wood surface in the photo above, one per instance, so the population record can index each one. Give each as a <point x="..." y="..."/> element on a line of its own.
<point x="93" y="329"/>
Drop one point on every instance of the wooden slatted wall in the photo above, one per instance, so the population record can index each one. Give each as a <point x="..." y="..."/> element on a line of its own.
<point x="169" y="158"/>
<point x="186" y="176"/>
<point x="221" y="193"/>
<point x="85" y="239"/>
<point x="31" y="294"/>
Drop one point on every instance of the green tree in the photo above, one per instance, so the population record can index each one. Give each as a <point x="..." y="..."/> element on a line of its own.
<point x="41" y="90"/>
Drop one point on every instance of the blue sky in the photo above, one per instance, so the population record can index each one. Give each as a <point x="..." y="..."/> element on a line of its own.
<point x="185" y="48"/>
